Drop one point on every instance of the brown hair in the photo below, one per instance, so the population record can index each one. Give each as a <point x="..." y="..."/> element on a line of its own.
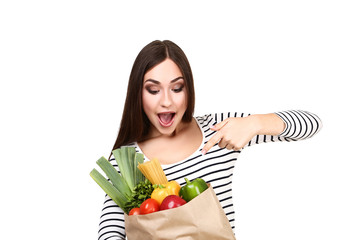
<point x="135" y="124"/>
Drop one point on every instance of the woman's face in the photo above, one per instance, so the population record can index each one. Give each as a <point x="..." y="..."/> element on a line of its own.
<point x="164" y="98"/>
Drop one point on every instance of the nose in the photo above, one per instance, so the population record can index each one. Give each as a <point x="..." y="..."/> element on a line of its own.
<point x="166" y="99"/>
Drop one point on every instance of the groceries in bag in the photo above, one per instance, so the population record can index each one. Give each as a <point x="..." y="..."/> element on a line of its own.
<point x="158" y="209"/>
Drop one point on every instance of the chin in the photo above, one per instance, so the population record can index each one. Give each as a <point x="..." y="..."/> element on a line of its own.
<point x="168" y="132"/>
<point x="163" y="130"/>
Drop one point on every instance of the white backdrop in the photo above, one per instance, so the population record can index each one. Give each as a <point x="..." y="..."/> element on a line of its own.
<point x="64" y="67"/>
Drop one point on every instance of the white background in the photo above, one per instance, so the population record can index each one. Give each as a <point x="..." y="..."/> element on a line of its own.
<point x="64" y="67"/>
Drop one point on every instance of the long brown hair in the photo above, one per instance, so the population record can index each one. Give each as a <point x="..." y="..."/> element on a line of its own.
<point x="135" y="124"/>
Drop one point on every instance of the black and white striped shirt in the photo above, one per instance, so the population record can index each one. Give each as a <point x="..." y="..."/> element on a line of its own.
<point x="216" y="167"/>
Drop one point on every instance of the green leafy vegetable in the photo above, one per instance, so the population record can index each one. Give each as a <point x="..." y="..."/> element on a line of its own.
<point x="142" y="191"/>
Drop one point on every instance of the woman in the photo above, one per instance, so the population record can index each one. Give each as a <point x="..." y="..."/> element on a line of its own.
<point x="158" y="121"/>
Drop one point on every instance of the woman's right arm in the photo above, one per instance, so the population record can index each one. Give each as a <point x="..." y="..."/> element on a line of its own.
<point x="112" y="224"/>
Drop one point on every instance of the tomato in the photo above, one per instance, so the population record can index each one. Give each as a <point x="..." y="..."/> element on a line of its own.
<point x="172" y="201"/>
<point x="134" y="211"/>
<point x="148" y="206"/>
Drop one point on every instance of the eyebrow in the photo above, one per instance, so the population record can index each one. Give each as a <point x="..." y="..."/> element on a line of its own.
<point x="157" y="82"/>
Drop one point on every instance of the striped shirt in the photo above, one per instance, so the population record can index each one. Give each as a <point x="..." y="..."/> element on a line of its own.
<point x="216" y="167"/>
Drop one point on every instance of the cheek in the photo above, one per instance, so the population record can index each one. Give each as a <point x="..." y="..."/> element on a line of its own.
<point x="181" y="100"/>
<point x="147" y="104"/>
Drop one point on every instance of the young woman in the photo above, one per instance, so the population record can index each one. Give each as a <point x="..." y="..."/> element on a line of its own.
<point x="158" y="121"/>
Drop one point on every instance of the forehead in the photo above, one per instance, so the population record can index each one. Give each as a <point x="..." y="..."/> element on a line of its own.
<point x="164" y="71"/>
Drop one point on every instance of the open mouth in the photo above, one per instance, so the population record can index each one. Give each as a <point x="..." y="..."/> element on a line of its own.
<point x="166" y="119"/>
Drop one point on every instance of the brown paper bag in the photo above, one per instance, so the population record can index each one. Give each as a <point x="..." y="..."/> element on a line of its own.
<point x="200" y="219"/>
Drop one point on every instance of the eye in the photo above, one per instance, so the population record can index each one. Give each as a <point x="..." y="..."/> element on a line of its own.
<point x="152" y="91"/>
<point x="178" y="89"/>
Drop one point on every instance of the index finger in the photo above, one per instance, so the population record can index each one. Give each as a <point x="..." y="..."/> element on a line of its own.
<point x="213" y="140"/>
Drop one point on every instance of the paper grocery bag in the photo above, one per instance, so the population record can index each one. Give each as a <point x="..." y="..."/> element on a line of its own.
<point x="200" y="219"/>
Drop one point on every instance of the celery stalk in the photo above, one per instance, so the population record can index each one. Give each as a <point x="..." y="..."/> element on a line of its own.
<point x="109" y="189"/>
<point x="117" y="180"/>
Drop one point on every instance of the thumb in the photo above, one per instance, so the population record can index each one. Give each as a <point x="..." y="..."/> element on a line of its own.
<point x="220" y="125"/>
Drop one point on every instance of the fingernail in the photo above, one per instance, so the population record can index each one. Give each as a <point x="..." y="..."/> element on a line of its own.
<point x="203" y="152"/>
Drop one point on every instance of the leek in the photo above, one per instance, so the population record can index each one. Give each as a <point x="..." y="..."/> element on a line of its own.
<point x="139" y="177"/>
<point x="117" y="180"/>
<point x="121" y="186"/>
<point x="109" y="189"/>
<point x="127" y="163"/>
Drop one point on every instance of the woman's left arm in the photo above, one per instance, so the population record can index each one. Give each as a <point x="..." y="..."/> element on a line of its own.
<point x="235" y="133"/>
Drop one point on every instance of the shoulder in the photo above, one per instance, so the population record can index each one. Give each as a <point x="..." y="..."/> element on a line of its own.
<point x="205" y="120"/>
<point x="203" y="117"/>
<point x="133" y="144"/>
<point x="219" y="116"/>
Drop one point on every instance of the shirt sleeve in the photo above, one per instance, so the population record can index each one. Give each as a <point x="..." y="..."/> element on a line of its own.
<point x="299" y="125"/>
<point x="112" y="222"/>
